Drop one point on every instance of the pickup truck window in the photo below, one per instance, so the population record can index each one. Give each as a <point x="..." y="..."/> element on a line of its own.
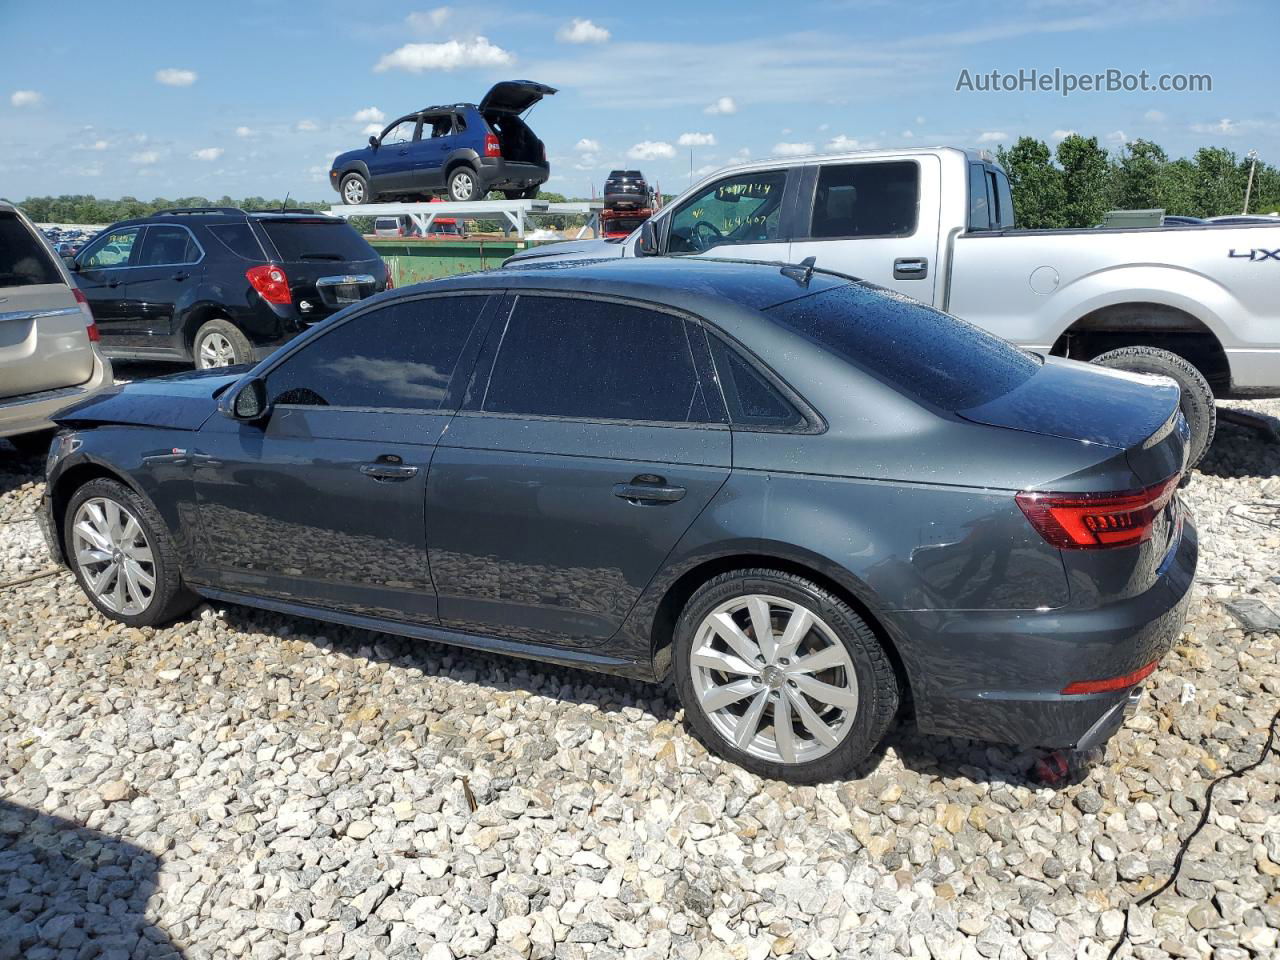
<point x="866" y="200"/>
<point x="932" y="356"/>
<point x="740" y="209"/>
<point x="979" y="202"/>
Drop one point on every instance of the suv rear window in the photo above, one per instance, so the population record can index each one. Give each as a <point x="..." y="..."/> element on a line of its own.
<point x="929" y="355"/>
<point x="316" y="240"/>
<point x="24" y="261"/>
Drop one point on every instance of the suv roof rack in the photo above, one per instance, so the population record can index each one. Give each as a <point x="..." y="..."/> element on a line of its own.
<point x="184" y="211"/>
<point x="316" y="213"/>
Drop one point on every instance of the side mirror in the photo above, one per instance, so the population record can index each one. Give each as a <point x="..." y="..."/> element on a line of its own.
<point x="647" y="245"/>
<point x="248" y="402"/>
<point x="373" y="142"/>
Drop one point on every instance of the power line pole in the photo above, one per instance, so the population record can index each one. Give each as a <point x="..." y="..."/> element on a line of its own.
<point x="1253" y="163"/>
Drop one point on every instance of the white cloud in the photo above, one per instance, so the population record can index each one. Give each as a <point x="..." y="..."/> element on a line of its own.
<point x="1154" y="116"/>
<point x="208" y="153"/>
<point x="244" y="133"/>
<point x="697" y="140"/>
<point x="907" y="134"/>
<point x="306" y="126"/>
<point x="416" y="57"/>
<point x="145" y="159"/>
<point x="369" y="115"/>
<point x="1117" y="136"/>
<point x="26" y="98"/>
<point x="919" y="121"/>
<point x="587" y="145"/>
<point x="1223" y="126"/>
<point x="841" y="143"/>
<point x="372" y="129"/>
<point x="425" y="21"/>
<point x="99" y="145"/>
<point x="586" y="162"/>
<point x="578" y="30"/>
<point x="703" y="170"/>
<point x="1061" y="134"/>
<point x="652" y="150"/>
<point x="722" y="105"/>
<point x="785" y="149"/>
<point x="173" y="77"/>
<point x="993" y="136"/>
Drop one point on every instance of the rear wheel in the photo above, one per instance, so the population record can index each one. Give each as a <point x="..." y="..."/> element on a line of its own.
<point x="354" y="189"/>
<point x="781" y="676"/>
<point x="1197" y="401"/>
<point x="220" y="343"/>
<point x="464" y="185"/>
<point x="528" y="193"/>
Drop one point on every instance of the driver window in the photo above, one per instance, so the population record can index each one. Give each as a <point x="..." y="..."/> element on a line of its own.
<point x="111" y="250"/>
<point x="401" y="132"/>
<point x="739" y="209"/>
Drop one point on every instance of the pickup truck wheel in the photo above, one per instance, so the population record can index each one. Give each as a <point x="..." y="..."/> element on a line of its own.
<point x="1197" y="396"/>
<point x="220" y="343"/>
<point x="354" y="189"/>
<point x="464" y="185"/>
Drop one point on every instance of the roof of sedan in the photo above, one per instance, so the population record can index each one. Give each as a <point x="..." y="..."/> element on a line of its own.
<point x="660" y="279"/>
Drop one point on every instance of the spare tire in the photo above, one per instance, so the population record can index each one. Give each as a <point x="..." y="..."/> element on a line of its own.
<point x="1197" y="396"/>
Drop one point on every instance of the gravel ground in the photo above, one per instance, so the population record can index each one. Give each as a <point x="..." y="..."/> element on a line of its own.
<point x="243" y="784"/>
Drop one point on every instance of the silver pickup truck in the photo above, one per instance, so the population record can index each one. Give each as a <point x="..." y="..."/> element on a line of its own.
<point x="1200" y="304"/>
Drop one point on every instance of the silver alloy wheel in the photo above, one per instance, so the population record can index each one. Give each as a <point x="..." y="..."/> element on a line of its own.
<point x="353" y="191"/>
<point x="462" y="180"/>
<point x="112" y="552"/>
<point x="774" y="679"/>
<point x="215" y="351"/>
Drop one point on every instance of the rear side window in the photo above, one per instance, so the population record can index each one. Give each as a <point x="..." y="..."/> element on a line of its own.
<point x="979" y="203"/>
<point x="595" y="360"/>
<point x="316" y="240"/>
<point x="1004" y="200"/>
<point x="866" y="200"/>
<point x="401" y="356"/>
<point x="752" y="399"/>
<point x="239" y="239"/>
<point x="164" y="246"/>
<point x="926" y="354"/>
<point x="24" y="261"/>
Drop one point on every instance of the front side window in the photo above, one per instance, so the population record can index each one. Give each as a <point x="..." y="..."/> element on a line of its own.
<point x="595" y="360"/>
<point x="866" y="200"/>
<point x="401" y="132"/>
<point x="401" y="356"/>
<point x="742" y="209"/>
<point x="111" y="250"/>
<point x="166" y="246"/>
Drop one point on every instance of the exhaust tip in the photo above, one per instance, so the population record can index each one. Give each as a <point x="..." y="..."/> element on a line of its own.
<point x="1133" y="702"/>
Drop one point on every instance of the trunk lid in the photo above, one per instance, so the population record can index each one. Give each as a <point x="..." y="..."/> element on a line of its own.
<point x="514" y="96"/>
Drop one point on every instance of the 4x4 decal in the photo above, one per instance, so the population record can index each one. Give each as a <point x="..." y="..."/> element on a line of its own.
<point x="1255" y="254"/>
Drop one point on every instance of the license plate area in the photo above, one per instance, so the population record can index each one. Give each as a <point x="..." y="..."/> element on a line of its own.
<point x="341" y="291"/>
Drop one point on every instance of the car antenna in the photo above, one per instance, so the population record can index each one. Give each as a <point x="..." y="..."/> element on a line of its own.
<point x="802" y="271"/>
<point x="285" y="202"/>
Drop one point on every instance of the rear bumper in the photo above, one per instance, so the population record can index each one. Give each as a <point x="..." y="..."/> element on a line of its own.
<point x="497" y="172"/>
<point x="31" y="413"/>
<point x="998" y="675"/>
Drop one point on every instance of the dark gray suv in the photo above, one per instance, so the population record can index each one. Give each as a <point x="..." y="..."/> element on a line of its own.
<point x="802" y="496"/>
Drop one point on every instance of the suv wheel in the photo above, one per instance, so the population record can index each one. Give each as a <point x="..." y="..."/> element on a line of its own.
<point x="464" y="185"/>
<point x="219" y="343"/>
<point x="782" y="677"/>
<point x="354" y="189"/>
<point x="121" y="553"/>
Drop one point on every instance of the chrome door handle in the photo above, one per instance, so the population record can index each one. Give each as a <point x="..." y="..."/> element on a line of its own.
<point x="910" y="268"/>
<point x="388" y="471"/>
<point x="648" y="489"/>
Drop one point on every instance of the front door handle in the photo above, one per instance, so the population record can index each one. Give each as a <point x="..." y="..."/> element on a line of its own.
<point x="388" y="471"/>
<point x="910" y="268"/>
<point x="647" y="488"/>
<point x="181" y="275"/>
<point x="113" y="284"/>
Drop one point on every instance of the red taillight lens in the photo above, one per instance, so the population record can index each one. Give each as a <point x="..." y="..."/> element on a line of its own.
<point x="270" y="282"/>
<point x="391" y="284"/>
<point x="1084" y="521"/>
<point x="1123" y="682"/>
<point x="91" y="326"/>
<point x="492" y="148"/>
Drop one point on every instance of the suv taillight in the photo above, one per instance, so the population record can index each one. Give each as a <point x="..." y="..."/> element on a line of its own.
<point x="492" y="148"/>
<point x="270" y="282"/>
<point x="1086" y="521"/>
<point x="91" y="325"/>
<point x="391" y="284"/>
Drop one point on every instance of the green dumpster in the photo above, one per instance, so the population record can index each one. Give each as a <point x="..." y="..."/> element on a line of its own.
<point x="413" y="260"/>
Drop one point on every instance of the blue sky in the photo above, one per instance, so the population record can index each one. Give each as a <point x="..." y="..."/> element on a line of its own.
<point x="249" y="97"/>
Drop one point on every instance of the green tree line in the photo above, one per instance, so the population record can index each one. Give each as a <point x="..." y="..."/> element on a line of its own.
<point x="1074" y="185"/>
<point x="85" y="208"/>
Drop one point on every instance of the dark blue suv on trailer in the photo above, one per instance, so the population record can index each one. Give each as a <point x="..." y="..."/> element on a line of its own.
<point x="460" y="151"/>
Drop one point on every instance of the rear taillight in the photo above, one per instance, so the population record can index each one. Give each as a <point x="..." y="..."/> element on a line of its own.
<point x="391" y="284"/>
<point x="1111" y="684"/>
<point x="270" y="282"/>
<point x="492" y="148"/>
<point x="91" y="325"/>
<point x="1086" y="521"/>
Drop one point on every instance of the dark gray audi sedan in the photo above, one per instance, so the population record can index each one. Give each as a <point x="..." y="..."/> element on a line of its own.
<point x="801" y="495"/>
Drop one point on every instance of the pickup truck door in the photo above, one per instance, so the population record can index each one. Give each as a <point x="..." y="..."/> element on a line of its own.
<point x="744" y="216"/>
<point x="873" y="219"/>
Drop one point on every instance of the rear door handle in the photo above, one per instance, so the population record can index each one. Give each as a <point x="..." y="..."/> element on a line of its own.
<point x="388" y="471"/>
<point x="647" y="488"/>
<point x="910" y="268"/>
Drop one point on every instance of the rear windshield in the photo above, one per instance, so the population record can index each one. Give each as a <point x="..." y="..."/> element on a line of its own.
<point x="931" y="356"/>
<point x="24" y="261"/>
<point x="317" y="240"/>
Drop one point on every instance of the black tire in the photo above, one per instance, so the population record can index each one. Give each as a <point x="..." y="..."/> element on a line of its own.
<point x="31" y="445"/>
<point x="224" y="335"/>
<point x="464" y="185"/>
<point x="354" y="189"/>
<point x="877" y="684"/>
<point x="1197" y="401"/>
<point x="169" y="598"/>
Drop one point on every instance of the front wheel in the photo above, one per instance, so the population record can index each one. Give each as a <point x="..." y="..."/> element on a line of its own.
<point x="354" y="189"/>
<point x="782" y="677"/>
<point x="464" y="185"/>
<point x="220" y="343"/>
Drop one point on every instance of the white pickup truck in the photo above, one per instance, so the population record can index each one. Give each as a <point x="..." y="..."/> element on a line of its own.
<point x="1198" y="303"/>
